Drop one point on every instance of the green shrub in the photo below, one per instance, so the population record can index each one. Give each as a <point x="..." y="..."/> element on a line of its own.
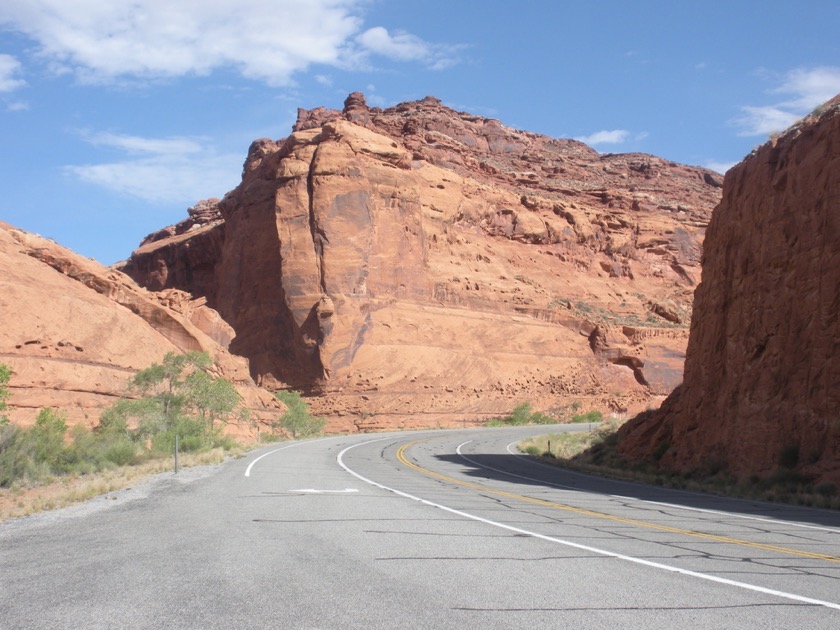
<point x="16" y="462"/>
<point x="5" y="375"/>
<point x="47" y="437"/>
<point x="521" y="414"/>
<point x="297" y="420"/>
<point x="122" y="453"/>
<point x="592" y="416"/>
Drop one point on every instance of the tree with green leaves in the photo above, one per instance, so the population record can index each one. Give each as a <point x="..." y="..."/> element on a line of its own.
<point x="213" y="399"/>
<point x="164" y="382"/>
<point x="179" y="398"/>
<point x="297" y="420"/>
<point x="5" y="376"/>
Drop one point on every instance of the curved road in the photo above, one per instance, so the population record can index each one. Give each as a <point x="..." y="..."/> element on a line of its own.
<point x="439" y="529"/>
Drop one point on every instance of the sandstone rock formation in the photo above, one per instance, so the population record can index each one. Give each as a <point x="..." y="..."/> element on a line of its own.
<point x="762" y="376"/>
<point x="74" y="332"/>
<point x="417" y="265"/>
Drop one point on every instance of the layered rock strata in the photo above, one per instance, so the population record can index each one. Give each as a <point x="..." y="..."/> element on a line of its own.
<point x="762" y="375"/>
<point x="417" y="265"/>
<point x="74" y="333"/>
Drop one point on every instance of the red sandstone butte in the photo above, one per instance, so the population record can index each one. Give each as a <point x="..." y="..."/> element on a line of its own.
<point x="762" y="375"/>
<point x="415" y="266"/>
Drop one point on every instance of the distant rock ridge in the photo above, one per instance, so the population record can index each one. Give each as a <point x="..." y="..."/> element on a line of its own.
<point x="416" y="265"/>
<point x="762" y="376"/>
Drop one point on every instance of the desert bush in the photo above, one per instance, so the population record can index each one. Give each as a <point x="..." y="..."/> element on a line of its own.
<point x="297" y="420"/>
<point x="5" y="376"/>
<point x="590" y="416"/>
<point x="178" y="398"/>
<point x="521" y="415"/>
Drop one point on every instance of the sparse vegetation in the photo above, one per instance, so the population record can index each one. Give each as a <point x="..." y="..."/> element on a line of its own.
<point x="5" y="375"/>
<point x="595" y="452"/>
<point x="178" y="397"/>
<point x="522" y="415"/>
<point x="590" y="416"/>
<point x="297" y="420"/>
<point x="600" y="315"/>
<point x="22" y="499"/>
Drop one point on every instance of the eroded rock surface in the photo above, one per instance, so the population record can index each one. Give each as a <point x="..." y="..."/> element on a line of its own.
<point x="417" y="265"/>
<point x="74" y="332"/>
<point x="762" y="377"/>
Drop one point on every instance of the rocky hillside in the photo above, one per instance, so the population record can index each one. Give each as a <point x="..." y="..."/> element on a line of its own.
<point x="417" y="265"/>
<point x="762" y="377"/>
<point x="74" y="332"/>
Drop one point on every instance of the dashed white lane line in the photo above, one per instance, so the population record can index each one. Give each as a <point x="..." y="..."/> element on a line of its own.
<point x="595" y="550"/>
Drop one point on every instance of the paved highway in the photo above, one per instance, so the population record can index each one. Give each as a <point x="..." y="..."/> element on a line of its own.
<point x="441" y="529"/>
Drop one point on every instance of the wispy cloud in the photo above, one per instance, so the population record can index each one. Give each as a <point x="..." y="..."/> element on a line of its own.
<point x="614" y="136"/>
<point x="719" y="167"/>
<point x="136" y="144"/>
<point x="264" y="40"/>
<point x="10" y="68"/>
<point x="160" y="170"/>
<point x="805" y="88"/>
<point x="402" y="46"/>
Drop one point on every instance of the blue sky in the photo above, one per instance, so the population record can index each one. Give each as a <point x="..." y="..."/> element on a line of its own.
<point x="116" y="116"/>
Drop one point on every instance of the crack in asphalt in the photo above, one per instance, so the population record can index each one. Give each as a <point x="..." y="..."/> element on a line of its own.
<point x="638" y="608"/>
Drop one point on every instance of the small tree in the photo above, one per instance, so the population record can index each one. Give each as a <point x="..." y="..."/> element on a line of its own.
<point x="5" y="375"/>
<point x="47" y="436"/>
<point x="297" y="420"/>
<point x="179" y="398"/>
<point x="214" y="399"/>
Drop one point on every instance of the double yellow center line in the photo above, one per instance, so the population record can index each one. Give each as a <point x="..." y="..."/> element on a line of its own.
<point x="403" y="459"/>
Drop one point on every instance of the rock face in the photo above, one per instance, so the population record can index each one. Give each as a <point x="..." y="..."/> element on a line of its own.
<point x="762" y="376"/>
<point x="418" y="265"/>
<point x="74" y="332"/>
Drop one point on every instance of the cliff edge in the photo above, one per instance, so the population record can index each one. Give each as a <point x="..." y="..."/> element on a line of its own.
<point x="762" y="374"/>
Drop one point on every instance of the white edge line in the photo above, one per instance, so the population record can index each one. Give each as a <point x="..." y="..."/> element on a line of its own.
<point x="661" y="503"/>
<point x="602" y="552"/>
<point x="282" y="448"/>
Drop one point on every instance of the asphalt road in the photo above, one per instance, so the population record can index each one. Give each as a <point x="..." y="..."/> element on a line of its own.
<point x="442" y="529"/>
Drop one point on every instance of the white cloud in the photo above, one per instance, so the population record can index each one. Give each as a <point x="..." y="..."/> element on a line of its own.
<point x="265" y="40"/>
<point x="719" y="167"/>
<point x="806" y="87"/>
<point x="810" y="87"/>
<point x="762" y="121"/>
<point x="9" y="70"/>
<point x="136" y="144"/>
<point x="402" y="46"/>
<point x="615" y="136"/>
<point x="17" y="106"/>
<point x="161" y="170"/>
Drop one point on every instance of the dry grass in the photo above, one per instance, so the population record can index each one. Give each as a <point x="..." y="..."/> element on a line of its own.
<point x="594" y="452"/>
<point x="567" y="445"/>
<point x="21" y="500"/>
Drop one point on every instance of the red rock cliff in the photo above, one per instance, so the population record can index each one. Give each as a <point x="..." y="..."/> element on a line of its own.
<point x="74" y="332"/>
<point x="418" y="262"/>
<point x="762" y="375"/>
